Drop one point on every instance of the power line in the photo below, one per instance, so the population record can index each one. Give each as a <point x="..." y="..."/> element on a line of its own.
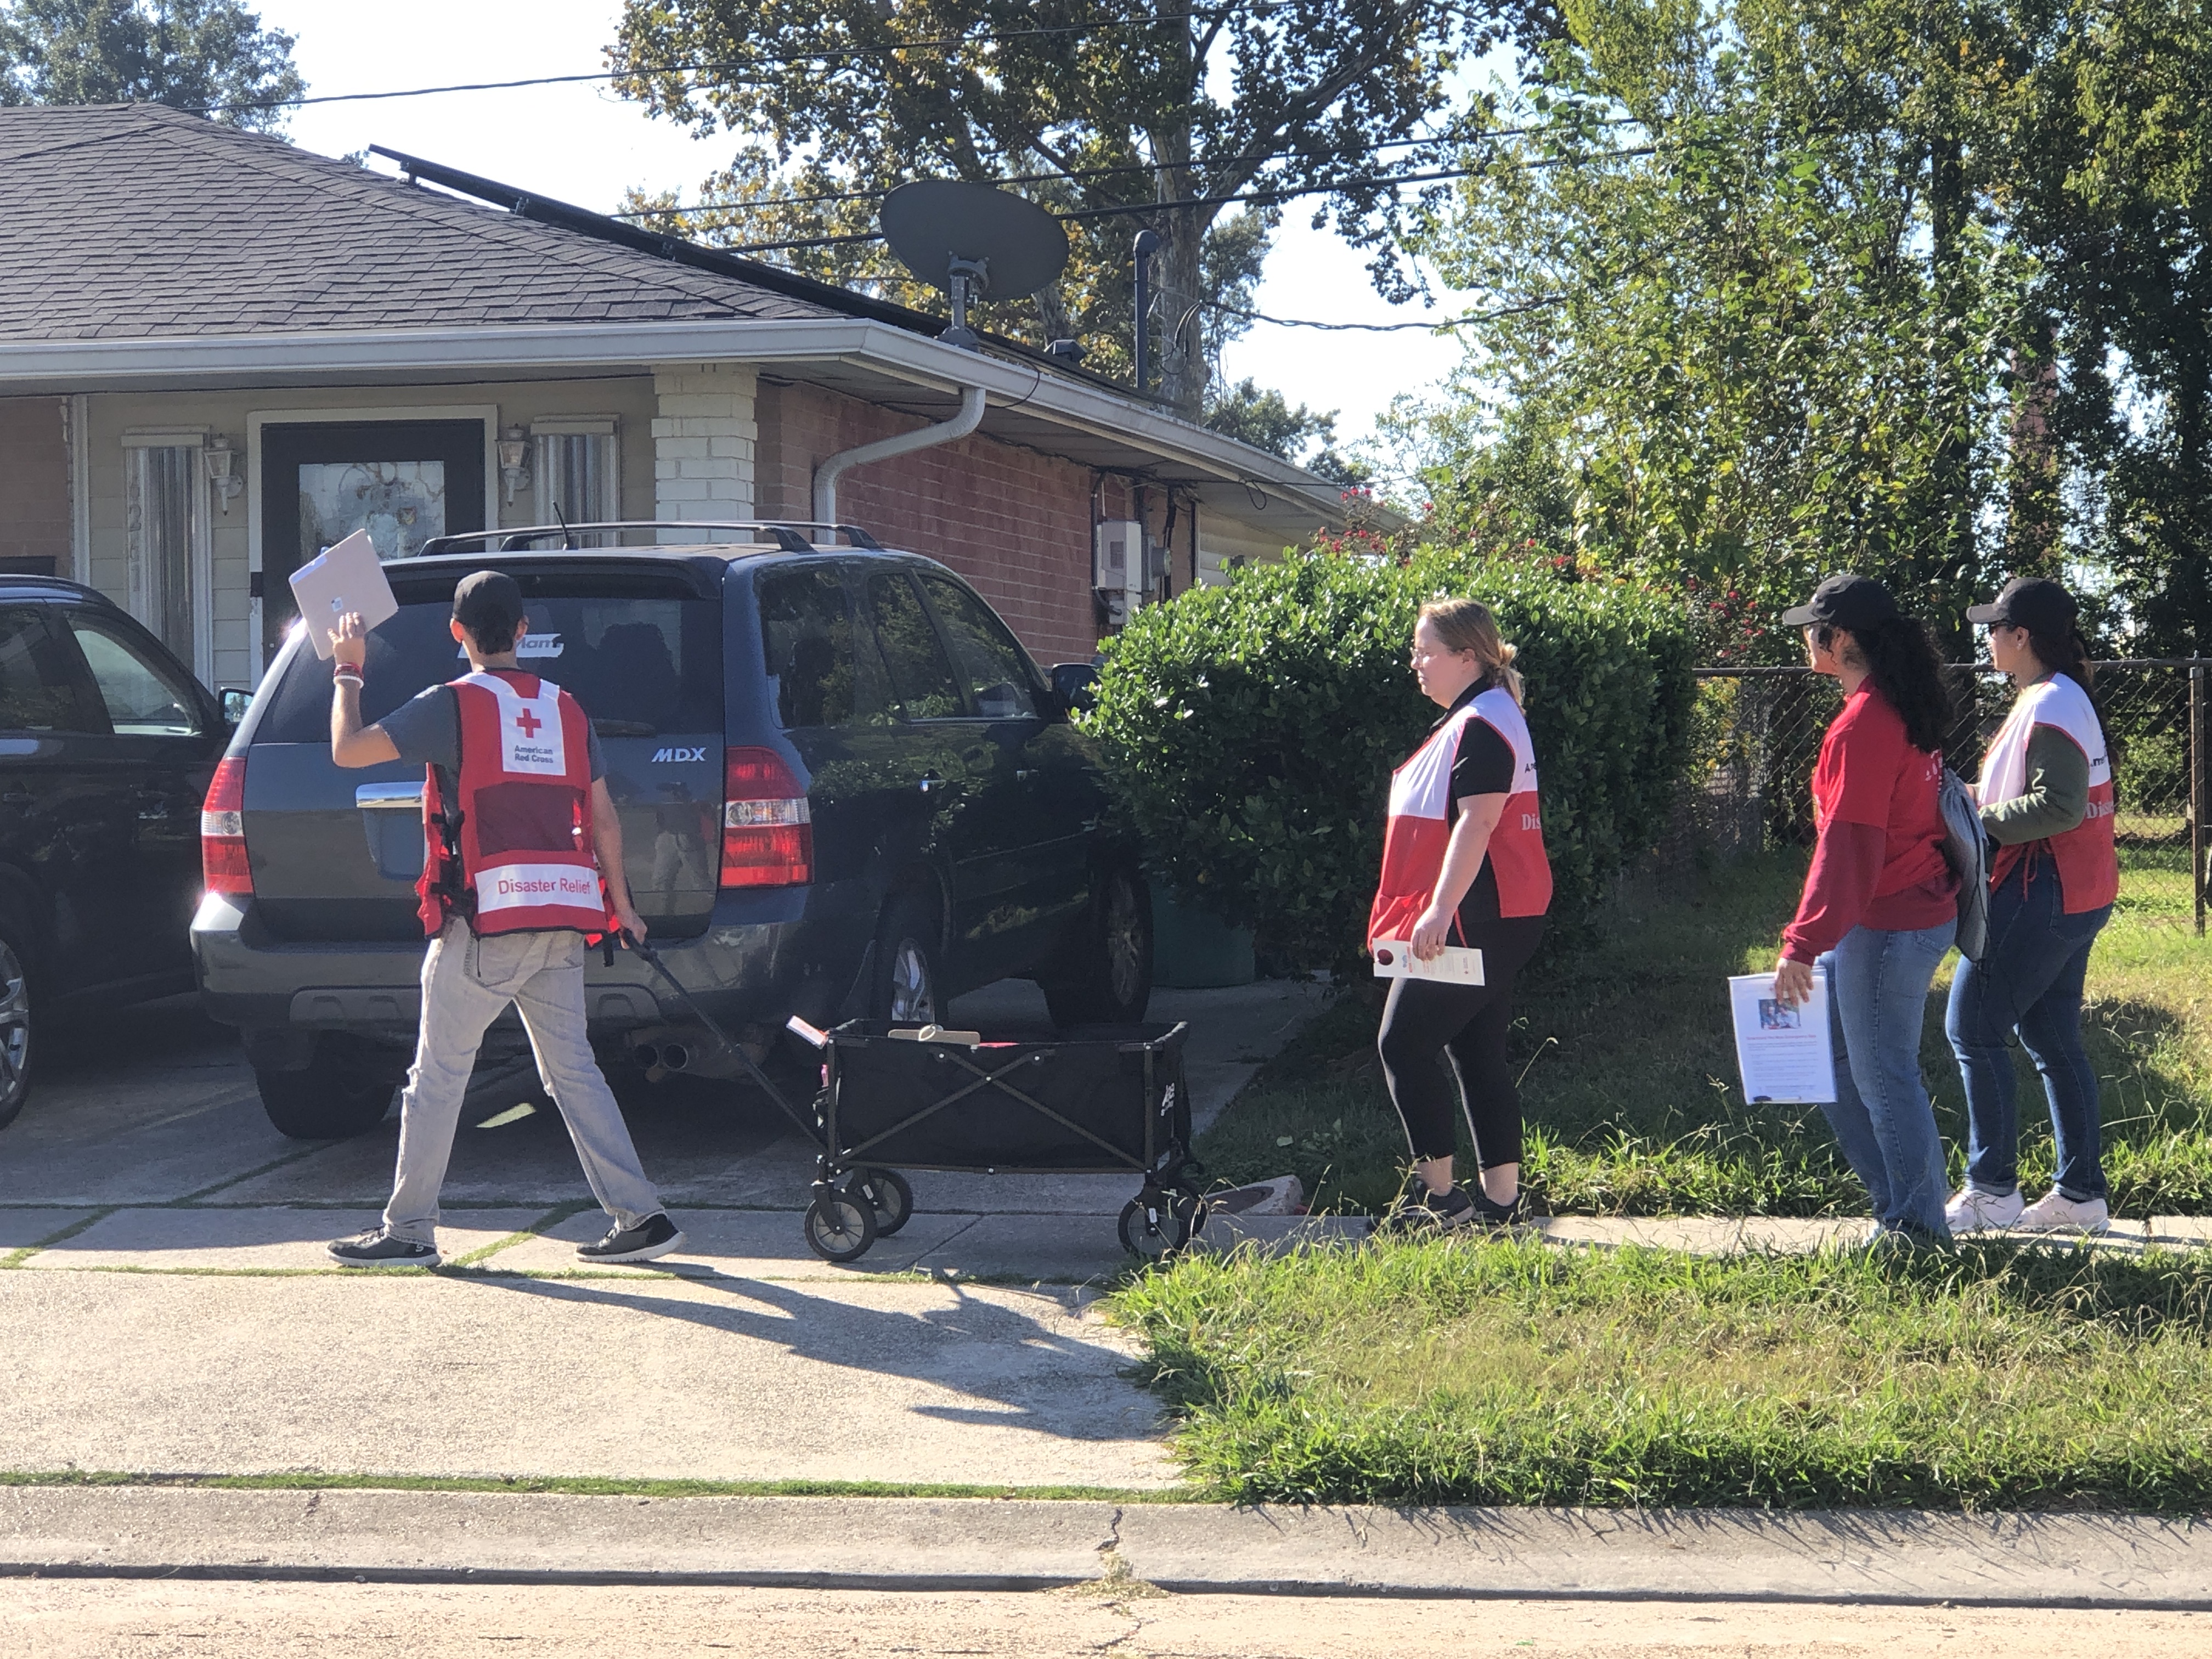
<point x="1086" y="173"/>
<point x="649" y="72"/>
<point x="1379" y="328"/>
<point x="1337" y="187"/>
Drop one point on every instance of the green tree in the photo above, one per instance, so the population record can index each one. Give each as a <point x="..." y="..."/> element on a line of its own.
<point x="1753" y="307"/>
<point x="190" y="54"/>
<point x="1263" y="417"/>
<point x="1148" y="120"/>
<point x="2114" y="193"/>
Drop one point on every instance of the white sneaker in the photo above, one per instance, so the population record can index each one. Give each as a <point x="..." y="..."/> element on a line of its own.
<point x="2055" y="1212"/>
<point x="1971" y="1211"/>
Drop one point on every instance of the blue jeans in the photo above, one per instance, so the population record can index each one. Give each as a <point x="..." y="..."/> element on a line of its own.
<point x="1878" y="999"/>
<point x="2030" y="982"/>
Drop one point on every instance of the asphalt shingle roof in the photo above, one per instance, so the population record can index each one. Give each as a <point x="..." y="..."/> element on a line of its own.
<point x="127" y="221"/>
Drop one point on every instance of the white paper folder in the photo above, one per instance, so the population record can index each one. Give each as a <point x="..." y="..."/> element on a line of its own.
<point x="345" y="576"/>
<point x="1458" y="965"/>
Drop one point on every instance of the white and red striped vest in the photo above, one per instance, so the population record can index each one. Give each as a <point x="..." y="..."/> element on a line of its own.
<point x="1420" y="826"/>
<point x="524" y="846"/>
<point x="2088" y="867"/>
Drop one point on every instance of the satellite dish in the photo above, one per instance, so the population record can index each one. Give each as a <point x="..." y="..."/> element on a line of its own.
<point x="973" y="241"/>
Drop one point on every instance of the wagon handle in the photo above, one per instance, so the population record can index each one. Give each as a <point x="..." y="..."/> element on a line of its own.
<point x="653" y="960"/>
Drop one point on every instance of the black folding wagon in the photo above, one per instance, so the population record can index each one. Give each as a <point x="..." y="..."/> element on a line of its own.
<point x="1097" y="1100"/>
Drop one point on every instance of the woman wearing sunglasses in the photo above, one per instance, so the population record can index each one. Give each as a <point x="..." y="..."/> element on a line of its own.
<point x="2046" y="799"/>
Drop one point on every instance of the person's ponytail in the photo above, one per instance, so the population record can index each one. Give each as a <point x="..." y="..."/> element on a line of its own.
<point x="2069" y="655"/>
<point x="1901" y="661"/>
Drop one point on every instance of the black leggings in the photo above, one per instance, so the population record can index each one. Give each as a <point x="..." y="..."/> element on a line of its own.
<point x="1426" y="1020"/>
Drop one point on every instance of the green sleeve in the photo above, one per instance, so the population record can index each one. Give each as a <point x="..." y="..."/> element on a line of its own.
<point x="2057" y="797"/>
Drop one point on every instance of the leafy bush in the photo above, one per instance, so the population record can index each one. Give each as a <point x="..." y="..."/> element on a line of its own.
<point x="1252" y="728"/>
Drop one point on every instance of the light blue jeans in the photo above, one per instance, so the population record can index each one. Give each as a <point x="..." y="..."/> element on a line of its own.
<point x="1877" y="1001"/>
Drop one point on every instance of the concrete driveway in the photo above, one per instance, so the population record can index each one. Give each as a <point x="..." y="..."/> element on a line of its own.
<point x="172" y="1312"/>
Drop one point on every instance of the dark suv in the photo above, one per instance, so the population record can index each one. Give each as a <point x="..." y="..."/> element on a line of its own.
<point x="845" y="788"/>
<point x="106" y="742"/>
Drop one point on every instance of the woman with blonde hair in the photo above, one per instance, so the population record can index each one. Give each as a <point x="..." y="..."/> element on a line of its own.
<point x="1463" y="863"/>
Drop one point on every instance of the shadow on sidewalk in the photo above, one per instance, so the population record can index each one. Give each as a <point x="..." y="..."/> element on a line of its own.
<point x="977" y="1346"/>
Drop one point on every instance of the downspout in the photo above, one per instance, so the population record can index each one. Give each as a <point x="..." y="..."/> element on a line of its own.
<point x="832" y="467"/>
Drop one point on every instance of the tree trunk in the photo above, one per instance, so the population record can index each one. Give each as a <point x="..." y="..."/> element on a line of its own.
<point x="1180" y="321"/>
<point x="1955" y="565"/>
<point x="2033" y="506"/>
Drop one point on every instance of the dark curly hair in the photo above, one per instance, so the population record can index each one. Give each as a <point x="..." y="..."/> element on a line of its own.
<point x="1900" y="660"/>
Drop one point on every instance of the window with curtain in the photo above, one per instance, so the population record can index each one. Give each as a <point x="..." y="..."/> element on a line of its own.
<point x="577" y="472"/>
<point x="163" y="523"/>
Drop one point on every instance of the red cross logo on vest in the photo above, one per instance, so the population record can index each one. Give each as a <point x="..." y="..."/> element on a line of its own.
<point x="529" y="723"/>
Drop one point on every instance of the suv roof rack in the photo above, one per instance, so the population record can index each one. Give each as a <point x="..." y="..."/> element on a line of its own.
<point x="788" y="534"/>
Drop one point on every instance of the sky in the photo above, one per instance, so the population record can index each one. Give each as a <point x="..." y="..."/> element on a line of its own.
<point x="580" y="143"/>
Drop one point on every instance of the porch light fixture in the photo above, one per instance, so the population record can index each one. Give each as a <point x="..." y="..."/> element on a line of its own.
<point x="218" y="459"/>
<point x="513" y="459"/>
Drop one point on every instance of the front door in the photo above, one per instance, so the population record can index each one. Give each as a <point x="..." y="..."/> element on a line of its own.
<point x="402" y="481"/>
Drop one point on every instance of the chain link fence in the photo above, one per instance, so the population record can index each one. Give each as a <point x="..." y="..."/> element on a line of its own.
<point x="1757" y="732"/>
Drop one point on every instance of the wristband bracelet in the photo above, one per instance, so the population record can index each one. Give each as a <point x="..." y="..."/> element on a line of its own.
<point x="342" y="677"/>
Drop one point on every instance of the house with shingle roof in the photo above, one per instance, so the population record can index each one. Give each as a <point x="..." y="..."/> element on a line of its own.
<point x="219" y="353"/>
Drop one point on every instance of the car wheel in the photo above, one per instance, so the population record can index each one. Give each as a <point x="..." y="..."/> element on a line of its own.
<point x="16" y="1050"/>
<point x="336" y="1095"/>
<point x="905" y="992"/>
<point x="1112" y="980"/>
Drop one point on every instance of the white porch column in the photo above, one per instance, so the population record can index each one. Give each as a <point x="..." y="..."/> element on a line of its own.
<point x="704" y="433"/>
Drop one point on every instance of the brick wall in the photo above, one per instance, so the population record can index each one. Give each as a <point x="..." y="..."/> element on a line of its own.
<point x="34" y="494"/>
<point x="1015" y="523"/>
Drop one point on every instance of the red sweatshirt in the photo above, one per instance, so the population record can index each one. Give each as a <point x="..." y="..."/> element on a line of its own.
<point x="1880" y="860"/>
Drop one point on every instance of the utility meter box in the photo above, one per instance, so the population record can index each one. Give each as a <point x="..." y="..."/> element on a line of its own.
<point x="1124" y="566"/>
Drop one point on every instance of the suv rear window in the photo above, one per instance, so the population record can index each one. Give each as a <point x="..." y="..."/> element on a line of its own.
<point x="826" y="673"/>
<point x="640" y="666"/>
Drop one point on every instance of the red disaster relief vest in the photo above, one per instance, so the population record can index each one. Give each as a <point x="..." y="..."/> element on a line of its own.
<point x="1419" y="827"/>
<point x="2088" y="867"/>
<point x="522" y="859"/>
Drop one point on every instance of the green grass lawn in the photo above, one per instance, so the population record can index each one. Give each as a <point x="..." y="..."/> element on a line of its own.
<point x="1512" y="1372"/>
<point x="1630" y="1090"/>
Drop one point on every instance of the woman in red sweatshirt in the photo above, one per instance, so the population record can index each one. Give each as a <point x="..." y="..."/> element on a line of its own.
<point x="1881" y="904"/>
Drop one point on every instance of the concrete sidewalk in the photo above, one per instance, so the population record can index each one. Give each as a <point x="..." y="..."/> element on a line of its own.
<point x="1895" y="1557"/>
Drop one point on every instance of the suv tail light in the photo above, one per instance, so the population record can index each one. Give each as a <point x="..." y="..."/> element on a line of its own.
<point x="768" y="834"/>
<point x="222" y="830"/>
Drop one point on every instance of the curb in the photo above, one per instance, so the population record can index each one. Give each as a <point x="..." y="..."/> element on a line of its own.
<point x="1896" y="1558"/>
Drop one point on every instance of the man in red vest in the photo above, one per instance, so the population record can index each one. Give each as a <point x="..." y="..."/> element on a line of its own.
<point x="519" y="834"/>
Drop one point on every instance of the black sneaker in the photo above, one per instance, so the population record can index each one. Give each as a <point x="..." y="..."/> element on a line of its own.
<point x="655" y="1235"/>
<point x="379" y="1248"/>
<point x="1426" y="1210"/>
<point x="1490" y="1214"/>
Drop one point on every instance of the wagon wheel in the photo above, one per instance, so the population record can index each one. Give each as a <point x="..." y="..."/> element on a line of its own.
<point x="887" y="1193"/>
<point x="839" y="1226"/>
<point x="1155" y="1226"/>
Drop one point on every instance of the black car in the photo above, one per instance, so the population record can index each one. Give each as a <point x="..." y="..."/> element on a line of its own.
<point x="846" y="791"/>
<point x="106" y="745"/>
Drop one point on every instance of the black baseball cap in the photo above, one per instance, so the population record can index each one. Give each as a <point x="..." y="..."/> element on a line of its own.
<point x="2035" y="603"/>
<point x="489" y="603"/>
<point x="1844" y="601"/>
